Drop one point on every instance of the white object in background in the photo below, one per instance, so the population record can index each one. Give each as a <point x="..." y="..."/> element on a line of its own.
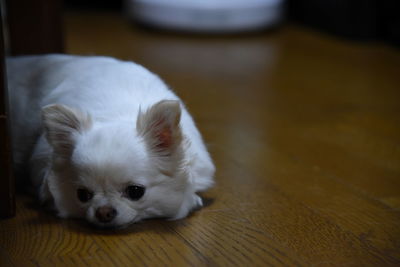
<point x="206" y="15"/>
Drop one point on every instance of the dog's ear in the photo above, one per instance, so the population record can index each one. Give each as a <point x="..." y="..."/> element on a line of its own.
<point x="61" y="125"/>
<point x="160" y="127"/>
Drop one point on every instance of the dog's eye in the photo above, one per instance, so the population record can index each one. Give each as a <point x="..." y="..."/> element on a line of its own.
<point x="135" y="192"/>
<point x="84" y="195"/>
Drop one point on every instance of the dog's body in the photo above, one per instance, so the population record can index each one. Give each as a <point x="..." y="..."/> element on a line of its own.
<point x="105" y="140"/>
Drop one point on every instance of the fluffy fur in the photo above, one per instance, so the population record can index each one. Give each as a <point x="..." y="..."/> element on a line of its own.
<point x="108" y="128"/>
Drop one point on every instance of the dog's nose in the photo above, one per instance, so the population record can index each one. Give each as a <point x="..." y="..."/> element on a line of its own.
<point x="106" y="214"/>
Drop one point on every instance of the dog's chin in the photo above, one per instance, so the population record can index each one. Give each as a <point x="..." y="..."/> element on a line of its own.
<point x="113" y="225"/>
<point x="109" y="226"/>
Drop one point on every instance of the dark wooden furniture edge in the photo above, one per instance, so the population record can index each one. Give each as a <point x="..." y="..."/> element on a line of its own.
<point x="7" y="187"/>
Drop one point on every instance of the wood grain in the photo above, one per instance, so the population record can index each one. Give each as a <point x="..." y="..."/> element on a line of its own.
<point x="304" y="130"/>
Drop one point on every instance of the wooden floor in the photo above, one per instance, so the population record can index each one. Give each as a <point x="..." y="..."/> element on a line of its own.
<point x="304" y="129"/>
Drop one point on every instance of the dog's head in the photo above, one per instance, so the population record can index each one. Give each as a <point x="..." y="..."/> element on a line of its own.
<point x="116" y="173"/>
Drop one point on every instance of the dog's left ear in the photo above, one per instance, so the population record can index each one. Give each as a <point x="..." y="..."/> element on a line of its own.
<point x="61" y="125"/>
<point x="160" y="127"/>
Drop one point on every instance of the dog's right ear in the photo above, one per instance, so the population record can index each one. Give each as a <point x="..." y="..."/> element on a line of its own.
<point x="61" y="125"/>
<point x="160" y="127"/>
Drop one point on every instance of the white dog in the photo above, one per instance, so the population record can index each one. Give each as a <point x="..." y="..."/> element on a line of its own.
<point x="105" y="140"/>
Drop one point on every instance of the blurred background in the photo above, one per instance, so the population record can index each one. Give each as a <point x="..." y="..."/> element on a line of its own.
<point x="38" y="26"/>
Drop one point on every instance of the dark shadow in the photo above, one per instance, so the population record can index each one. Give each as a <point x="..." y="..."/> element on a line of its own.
<point x="207" y="201"/>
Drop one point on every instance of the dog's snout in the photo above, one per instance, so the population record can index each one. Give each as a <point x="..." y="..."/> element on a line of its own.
<point x="106" y="214"/>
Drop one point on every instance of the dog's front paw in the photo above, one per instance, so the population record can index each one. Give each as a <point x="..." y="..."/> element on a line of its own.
<point x="62" y="214"/>
<point x="45" y="196"/>
<point x="198" y="201"/>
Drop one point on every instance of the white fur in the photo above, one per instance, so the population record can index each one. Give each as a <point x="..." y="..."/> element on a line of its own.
<point x="92" y="122"/>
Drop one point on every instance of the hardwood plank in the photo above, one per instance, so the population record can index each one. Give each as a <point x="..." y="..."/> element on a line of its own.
<point x="304" y="130"/>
